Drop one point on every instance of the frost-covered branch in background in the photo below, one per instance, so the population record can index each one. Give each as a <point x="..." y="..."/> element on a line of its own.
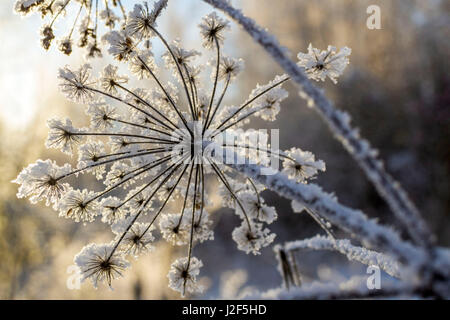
<point x="354" y="288"/>
<point x="367" y="257"/>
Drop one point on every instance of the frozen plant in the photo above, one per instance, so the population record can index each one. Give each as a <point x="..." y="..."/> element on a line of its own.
<point x="152" y="145"/>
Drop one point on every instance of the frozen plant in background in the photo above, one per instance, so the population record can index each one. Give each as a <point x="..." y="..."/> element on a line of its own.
<point x="343" y="246"/>
<point x="149" y="147"/>
<point x="83" y="18"/>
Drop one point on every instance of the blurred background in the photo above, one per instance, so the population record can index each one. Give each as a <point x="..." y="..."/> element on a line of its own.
<point x="397" y="89"/>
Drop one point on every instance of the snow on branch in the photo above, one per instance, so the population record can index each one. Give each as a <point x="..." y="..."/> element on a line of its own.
<point x="339" y="123"/>
<point x="354" y="288"/>
<point x="312" y="196"/>
<point x="360" y="254"/>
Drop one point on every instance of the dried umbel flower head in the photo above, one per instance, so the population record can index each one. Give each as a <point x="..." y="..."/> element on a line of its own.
<point x="79" y="205"/>
<point x="212" y="29"/>
<point x="138" y="239"/>
<point x="326" y="63"/>
<point x="100" y="263"/>
<point x="76" y="83"/>
<point x="87" y="15"/>
<point x="183" y="275"/>
<point x="230" y="68"/>
<point x="142" y="20"/>
<point x="155" y="144"/>
<point x="251" y="238"/>
<point x="63" y="135"/>
<point x="42" y="180"/>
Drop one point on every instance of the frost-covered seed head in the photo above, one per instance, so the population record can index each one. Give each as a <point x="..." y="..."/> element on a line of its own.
<point x="99" y="264"/>
<point x="142" y="21"/>
<point x="137" y="240"/>
<point x="327" y="63"/>
<point x="252" y="240"/>
<point x="78" y="205"/>
<point x="40" y="181"/>
<point x="47" y="37"/>
<point x="183" y="275"/>
<point x="230" y="68"/>
<point x="62" y="135"/>
<point x="110" y="79"/>
<point x="212" y="29"/>
<point x="74" y="84"/>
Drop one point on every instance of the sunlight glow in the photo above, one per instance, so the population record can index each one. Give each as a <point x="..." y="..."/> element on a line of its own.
<point x="19" y="97"/>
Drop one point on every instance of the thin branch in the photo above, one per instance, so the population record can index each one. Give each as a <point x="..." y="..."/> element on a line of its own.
<point x="214" y="86"/>
<point x="353" y="289"/>
<point x="360" y="254"/>
<point x="227" y="83"/>
<point x="130" y="105"/>
<point x="173" y="168"/>
<point x="163" y="40"/>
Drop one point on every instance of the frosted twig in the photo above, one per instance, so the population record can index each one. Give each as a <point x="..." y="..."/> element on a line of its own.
<point x="367" y="257"/>
<point x="287" y="267"/>
<point x="354" y="288"/>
